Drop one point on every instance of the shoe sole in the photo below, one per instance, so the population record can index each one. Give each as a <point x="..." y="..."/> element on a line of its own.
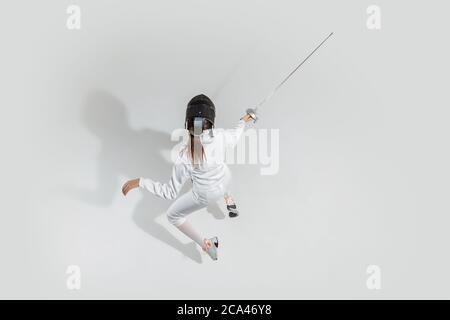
<point x="215" y="242"/>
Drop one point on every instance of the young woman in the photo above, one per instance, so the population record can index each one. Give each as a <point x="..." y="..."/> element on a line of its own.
<point x="202" y="160"/>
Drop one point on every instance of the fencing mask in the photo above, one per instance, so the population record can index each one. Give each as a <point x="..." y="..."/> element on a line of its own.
<point x="200" y="115"/>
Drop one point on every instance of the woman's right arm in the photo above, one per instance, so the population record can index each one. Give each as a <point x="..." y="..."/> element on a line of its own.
<point x="232" y="136"/>
<point x="167" y="190"/>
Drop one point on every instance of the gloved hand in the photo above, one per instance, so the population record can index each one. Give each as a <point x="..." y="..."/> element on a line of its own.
<point x="252" y="114"/>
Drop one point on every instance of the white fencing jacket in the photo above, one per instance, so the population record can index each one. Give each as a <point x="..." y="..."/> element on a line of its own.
<point x="211" y="176"/>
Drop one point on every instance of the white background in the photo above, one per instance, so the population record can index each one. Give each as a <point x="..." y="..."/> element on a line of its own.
<point x="363" y="157"/>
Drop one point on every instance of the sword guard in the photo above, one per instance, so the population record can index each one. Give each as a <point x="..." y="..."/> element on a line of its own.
<point x="252" y="113"/>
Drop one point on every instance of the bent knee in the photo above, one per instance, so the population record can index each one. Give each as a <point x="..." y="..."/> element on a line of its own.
<point x="175" y="218"/>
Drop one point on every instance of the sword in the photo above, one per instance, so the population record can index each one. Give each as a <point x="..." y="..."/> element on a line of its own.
<point x="252" y="111"/>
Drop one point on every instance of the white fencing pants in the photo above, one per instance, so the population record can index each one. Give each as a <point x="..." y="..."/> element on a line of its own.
<point x="186" y="204"/>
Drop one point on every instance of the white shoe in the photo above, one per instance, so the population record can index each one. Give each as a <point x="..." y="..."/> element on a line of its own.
<point x="212" y="251"/>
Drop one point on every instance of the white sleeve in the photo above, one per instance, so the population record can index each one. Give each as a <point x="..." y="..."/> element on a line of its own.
<point x="168" y="190"/>
<point x="232" y="136"/>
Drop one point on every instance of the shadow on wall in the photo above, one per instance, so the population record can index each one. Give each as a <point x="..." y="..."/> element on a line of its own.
<point x="133" y="153"/>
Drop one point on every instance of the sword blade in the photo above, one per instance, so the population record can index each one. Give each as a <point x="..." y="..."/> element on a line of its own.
<point x="292" y="72"/>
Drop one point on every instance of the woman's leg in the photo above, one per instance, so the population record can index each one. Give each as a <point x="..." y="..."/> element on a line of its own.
<point x="177" y="212"/>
